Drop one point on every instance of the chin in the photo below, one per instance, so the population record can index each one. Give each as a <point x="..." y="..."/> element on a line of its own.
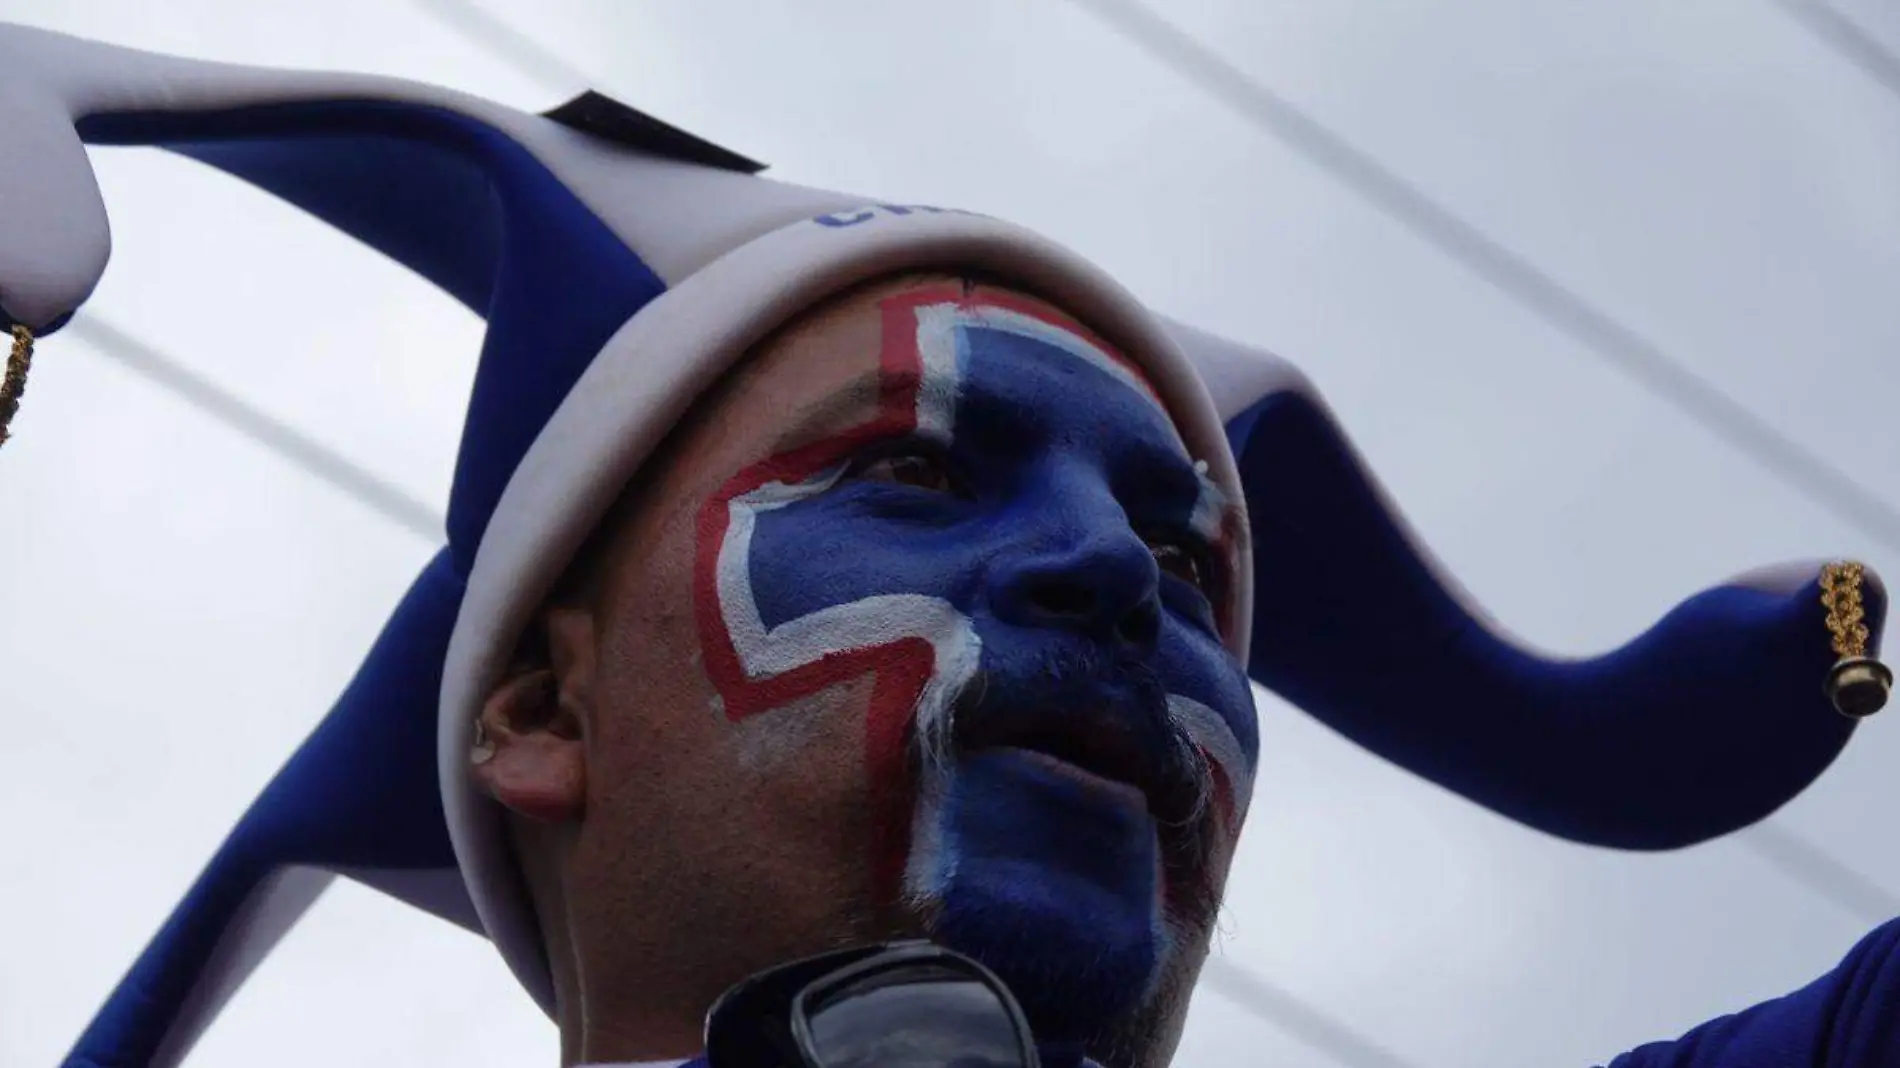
<point x="1055" y="881"/>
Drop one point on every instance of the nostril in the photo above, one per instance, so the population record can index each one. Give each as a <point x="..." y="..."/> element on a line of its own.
<point x="1067" y="600"/>
<point x="1105" y="604"/>
<point x="1141" y="626"/>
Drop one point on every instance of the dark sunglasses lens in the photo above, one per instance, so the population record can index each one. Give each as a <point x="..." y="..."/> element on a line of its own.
<point x="919" y="1016"/>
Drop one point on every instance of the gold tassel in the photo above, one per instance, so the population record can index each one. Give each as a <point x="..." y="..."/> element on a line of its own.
<point x="13" y="386"/>
<point x="1858" y="684"/>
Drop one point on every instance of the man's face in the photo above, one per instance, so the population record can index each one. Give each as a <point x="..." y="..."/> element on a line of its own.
<point x="916" y="629"/>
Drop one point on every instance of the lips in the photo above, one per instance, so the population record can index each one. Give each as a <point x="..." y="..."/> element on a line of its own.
<point x="1105" y="747"/>
<point x="1106" y="724"/>
<point x="1118" y="754"/>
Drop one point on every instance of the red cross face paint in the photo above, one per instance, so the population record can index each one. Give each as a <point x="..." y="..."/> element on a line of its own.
<point x="954" y="591"/>
<point x="1003" y="436"/>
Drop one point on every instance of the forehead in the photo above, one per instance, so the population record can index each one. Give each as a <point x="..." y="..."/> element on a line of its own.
<point x="950" y="346"/>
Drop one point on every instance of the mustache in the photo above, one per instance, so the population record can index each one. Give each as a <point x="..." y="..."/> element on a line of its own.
<point x="1080" y="689"/>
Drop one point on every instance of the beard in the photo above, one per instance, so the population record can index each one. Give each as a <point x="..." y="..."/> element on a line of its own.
<point x="1095" y="909"/>
<point x="1147" y="1037"/>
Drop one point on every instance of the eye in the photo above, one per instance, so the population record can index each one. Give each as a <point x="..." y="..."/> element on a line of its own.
<point x="916" y="468"/>
<point x="1186" y="561"/>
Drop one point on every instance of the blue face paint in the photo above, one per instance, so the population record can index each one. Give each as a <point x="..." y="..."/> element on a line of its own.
<point x="989" y="542"/>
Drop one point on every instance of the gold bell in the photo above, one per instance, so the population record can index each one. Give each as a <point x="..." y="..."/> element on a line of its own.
<point x="1858" y="684"/>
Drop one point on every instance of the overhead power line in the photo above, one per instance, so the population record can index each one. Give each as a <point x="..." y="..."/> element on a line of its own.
<point x="1255" y="994"/>
<point x="288" y="443"/>
<point x="1569" y="313"/>
<point x="1847" y="40"/>
<point x="494" y="36"/>
<point x="1818" y="869"/>
<point x="1505" y="270"/>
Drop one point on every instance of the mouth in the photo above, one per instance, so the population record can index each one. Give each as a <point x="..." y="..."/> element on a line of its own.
<point x="1130" y="769"/>
<point x="1110" y="759"/>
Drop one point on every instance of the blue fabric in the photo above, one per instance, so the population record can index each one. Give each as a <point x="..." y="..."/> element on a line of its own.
<point x="360" y="792"/>
<point x="473" y="211"/>
<point x="1849" y="1018"/>
<point x="1703" y="724"/>
<point x="431" y="210"/>
<point x="468" y="208"/>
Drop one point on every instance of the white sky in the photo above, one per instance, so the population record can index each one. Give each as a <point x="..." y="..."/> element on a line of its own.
<point x="179" y="607"/>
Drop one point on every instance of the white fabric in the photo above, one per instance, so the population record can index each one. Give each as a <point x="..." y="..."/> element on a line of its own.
<point x="677" y="216"/>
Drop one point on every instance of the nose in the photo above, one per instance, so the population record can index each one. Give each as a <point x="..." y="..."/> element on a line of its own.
<point x="1104" y="584"/>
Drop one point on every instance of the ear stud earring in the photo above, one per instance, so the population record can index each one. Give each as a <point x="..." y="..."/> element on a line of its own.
<point x="480" y="749"/>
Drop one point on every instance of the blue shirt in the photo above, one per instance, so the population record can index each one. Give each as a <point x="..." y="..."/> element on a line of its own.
<point x="1848" y="1018"/>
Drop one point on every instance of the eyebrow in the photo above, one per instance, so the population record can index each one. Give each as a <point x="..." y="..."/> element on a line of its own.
<point x="1016" y="416"/>
<point x="856" y="403"/>
<point x="826" y="414"/>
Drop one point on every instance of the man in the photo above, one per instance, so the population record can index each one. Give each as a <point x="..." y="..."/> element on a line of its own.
<point x="997" y="709"/>
<point x="819" y="573"/>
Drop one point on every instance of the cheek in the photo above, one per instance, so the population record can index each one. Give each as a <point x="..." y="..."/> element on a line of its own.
<point x="1213" y="702"/>
<point x="1226" y="844"/>
<point x="788" y="786"/>
<point x="836" y="760"/>
<point x="816" y="737"/>
<point x="795" y="601"/>
<point x="657" y="741"/>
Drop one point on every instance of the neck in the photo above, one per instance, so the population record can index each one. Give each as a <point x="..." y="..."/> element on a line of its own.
<point x="629" y="1030"/>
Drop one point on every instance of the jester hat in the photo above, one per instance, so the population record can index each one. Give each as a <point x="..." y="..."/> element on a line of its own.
<point x="622" y="266"/>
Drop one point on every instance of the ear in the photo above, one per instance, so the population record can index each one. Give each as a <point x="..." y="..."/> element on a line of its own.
<point x="530" y="751"/>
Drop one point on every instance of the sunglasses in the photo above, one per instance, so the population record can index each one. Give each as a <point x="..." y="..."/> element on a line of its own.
<point x="894" y="1005"/>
